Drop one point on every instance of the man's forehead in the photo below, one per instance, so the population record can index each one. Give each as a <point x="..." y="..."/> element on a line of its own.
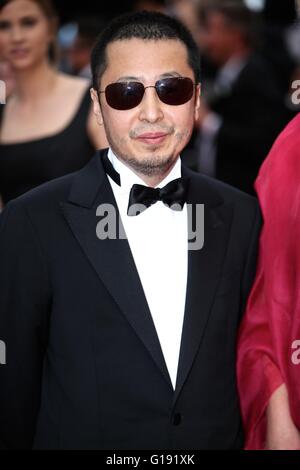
<point x="135" y="58"/>
<point x="130" y="48"/>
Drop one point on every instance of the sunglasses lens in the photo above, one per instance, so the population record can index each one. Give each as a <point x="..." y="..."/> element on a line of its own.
<point x="175" y="91"/>
<point x="124" y="96"/>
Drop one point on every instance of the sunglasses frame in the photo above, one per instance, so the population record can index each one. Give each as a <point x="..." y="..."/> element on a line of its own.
<point x="156" y="86"/>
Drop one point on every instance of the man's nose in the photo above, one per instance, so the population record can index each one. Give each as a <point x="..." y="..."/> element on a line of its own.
<point x="151" y="108"/>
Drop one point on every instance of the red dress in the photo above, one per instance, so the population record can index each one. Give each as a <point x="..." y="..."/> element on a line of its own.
<point x="267" y="344"/>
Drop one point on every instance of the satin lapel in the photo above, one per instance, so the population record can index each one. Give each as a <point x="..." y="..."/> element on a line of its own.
<point x="204" y="270"/>
<point x="111" y="258"/>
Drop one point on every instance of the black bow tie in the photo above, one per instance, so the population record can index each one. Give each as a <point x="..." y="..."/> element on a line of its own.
<point x="141" y="197"/>
<point x="172" y="195"/>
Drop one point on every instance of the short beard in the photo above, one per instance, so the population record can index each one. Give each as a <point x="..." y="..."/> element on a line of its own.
<point x="150" y="166"/>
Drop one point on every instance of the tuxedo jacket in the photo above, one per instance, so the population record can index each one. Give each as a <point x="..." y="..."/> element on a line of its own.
<point x="84" y="366"/>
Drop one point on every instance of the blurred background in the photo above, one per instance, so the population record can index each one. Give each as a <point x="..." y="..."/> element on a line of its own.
<point x="250" y="56"/>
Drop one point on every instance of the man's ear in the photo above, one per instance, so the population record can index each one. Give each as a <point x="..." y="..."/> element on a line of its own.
<point x="197" y="101"/>
<point x="96" y="106"/>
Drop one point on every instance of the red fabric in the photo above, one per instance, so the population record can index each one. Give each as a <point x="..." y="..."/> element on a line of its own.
<point x="272" y="320"/>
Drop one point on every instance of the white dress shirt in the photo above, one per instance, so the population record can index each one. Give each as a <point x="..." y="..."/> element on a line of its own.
<point x="158" y="239"/>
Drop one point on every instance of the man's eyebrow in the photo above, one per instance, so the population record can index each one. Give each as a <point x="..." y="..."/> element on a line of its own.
<point x="128" y="78"/>
<point x="173" y="73"/>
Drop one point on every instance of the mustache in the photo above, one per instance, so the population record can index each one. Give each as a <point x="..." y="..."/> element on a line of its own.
<point x="134" y="133"/>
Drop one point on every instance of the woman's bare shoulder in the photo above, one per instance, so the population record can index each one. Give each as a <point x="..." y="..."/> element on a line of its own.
<point x="73" y="84"/>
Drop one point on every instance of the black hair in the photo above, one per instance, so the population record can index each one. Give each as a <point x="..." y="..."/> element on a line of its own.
<point x="142" y="25"/>
<point x="89" y="28"/>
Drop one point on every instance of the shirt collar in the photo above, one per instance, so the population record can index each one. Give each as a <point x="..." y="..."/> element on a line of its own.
<point x="129" y="178"/>
<point x="230" y="71"/>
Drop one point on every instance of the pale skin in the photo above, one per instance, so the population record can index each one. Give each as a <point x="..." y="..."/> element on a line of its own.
<point x="150" y="61"/>
<point x="282" y="434"/>
<point x="44" y="101"/>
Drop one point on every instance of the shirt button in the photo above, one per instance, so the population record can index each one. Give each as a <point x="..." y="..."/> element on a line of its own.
<point x="177" y="418"/>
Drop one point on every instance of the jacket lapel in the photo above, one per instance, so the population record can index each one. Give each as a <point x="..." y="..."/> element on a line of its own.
<point x="114" y="264"/>
<point x="204" y="270"/>
<point x="111" y="258"/>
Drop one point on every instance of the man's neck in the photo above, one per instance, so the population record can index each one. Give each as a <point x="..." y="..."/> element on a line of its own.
<point x="149" y="180"/>
<point x="153" y="180"/>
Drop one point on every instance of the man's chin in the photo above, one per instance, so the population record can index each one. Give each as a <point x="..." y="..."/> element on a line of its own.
<point x="151" y="166"/>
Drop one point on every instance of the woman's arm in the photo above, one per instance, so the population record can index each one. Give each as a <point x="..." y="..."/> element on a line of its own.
<point x="282" y="434"/>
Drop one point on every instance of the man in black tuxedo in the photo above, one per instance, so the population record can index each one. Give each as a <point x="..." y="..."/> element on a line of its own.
<point x="127" y="343"/>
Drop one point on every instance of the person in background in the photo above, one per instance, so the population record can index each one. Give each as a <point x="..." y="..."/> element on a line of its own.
<point x="47" y="128"/>
<point x="278" y="25"/>
<point x="186" y="12"/>
<point x="242" y="111"/>
<point x="78" y="53"/>
<point x="7" y="76"/>
<point x="150" y="5"/>
<point x="269" y="337"/>
<point x="6" y="89"/>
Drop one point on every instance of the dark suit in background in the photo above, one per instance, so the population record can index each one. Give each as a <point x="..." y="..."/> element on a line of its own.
<point x="253" y="113"/>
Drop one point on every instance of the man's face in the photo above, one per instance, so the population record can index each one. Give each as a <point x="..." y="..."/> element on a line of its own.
<point x="149" y="137"/>
<point x="217" y="39"/>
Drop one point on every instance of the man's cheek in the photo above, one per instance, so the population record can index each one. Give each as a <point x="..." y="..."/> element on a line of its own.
<point x="183" y="134"/>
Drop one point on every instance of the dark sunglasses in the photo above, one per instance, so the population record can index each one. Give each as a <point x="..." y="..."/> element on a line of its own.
<point x="128" y="95"/>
